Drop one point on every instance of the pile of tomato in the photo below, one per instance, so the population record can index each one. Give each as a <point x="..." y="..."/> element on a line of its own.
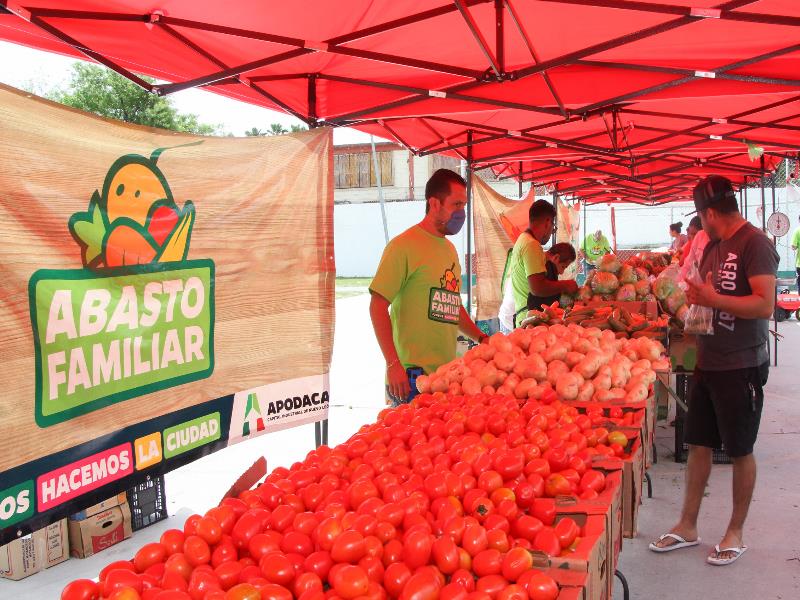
<point x="447" y="498"/>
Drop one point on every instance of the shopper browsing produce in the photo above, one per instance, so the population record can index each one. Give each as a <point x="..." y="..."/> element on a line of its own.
<point x="693" y="250"/>
<point x="678" y="239"/>
<point x="738" y="269"/>
<point x="419" y="277"/>
<point x="528" y="263"/>
<point x="594" y="247"/>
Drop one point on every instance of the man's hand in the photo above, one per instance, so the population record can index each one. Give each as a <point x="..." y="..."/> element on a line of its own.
<point x="398" y="381"/>
<point x="570" y="286"/>
<point x="702" y="294"/>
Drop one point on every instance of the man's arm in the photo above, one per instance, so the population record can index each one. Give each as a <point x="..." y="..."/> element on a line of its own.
<point x="396" y="372"/>
<point x="540" y="285"/>
<point x="758" y="305"/>
<point x="467" y="326"/>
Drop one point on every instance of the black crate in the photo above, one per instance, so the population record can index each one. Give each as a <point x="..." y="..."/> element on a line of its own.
<point x="148" y="503"/>
<point x="719" y="456"/>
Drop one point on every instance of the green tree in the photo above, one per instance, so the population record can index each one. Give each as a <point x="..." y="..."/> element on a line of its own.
<point x="274" y="129"/>
<point x="101" y="91"/>
<point x="254" y="132"/>
<point x="277" y="129"/>
<point x="297" y="128"/>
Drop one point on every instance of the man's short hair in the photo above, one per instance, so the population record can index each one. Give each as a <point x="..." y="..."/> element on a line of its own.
<point x="565" y="252"/>
<point x="541" y="209"/>
<point x="715" y="192"/>
<point x="440" y="185"/>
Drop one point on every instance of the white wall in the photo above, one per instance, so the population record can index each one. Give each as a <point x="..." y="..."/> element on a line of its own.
<point x="359" y="238"/>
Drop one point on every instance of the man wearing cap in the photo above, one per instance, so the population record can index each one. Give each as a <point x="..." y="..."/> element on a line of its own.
<point x="738" y="268"/>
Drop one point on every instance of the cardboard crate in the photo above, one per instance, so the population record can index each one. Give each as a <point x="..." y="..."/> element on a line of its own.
<point x="100" y="507"/>
<point x="35" y="552"/>
<point x="590" y="556"/>
<point x="632" y="481"/>
<point x="100" y="531"/>
<point x="607" y="505"/>
<point x="571" y="584"/>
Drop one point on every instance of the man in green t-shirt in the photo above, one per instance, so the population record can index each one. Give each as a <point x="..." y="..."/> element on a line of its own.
<point x="594" y="246"/>
<point x="796" y="249"/>
<point x="528" y="263"/>
<point x="419" y="277"/>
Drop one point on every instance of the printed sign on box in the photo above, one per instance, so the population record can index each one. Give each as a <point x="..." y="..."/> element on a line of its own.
<point x="279" y="406"/>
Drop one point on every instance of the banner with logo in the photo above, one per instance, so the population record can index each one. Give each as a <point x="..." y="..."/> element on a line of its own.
<point x="492" y="243"/>
<point x="161" y="295"/>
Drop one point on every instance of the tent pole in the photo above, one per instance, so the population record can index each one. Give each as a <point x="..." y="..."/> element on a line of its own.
<point x="469" y="223"/>
<point x="378" y="176"/>
<point x="763" y="198"/>
<point x="555" y="220"/>
<point x="774" y="316"/>
<point x="520" y="180"/>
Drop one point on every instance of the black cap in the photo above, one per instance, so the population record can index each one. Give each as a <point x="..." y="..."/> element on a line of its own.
<point x="711" y="190"/>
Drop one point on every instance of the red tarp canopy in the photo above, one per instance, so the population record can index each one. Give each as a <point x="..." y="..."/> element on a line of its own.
<point x="650" y="94"/>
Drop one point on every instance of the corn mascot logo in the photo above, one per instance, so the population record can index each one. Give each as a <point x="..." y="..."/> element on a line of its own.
<point x="139" y="317"/>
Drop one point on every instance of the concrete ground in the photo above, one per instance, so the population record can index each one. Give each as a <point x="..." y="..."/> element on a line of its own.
<point x="770" y="569"/>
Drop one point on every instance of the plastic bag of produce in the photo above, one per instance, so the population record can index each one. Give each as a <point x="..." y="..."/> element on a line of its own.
<point x="666" y="283"/>
<point x="627" y="274"/>
<point x="641" y="273"/>
<point x="698" y="320"/>
<point x="675" y="300"/>
<point x="627" y="293"/>
<point x="604" y="282"/>
<point x="609" y="263"/>
<point x="642" y="288"/>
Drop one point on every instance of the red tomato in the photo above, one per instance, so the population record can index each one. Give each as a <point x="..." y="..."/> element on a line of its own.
<point x="557" y="485"/>
<point x="297" y="543"/>
<point x="526" y="526"/>
<point x="542" y="587"/>
<point x="566" y="530"/>
<point x="547" y="541"/>
<point x="513" y="592"/>
<point x="392" y="552"/>
<point x="445" y="555"/>
<point x="350" y="582"/>
<point x="319" y="562"/>
<point x="452" y="591"/>
<point x="348" y="547"/>
<point x="395" y="578"/>
<point x="373" y="567"/>
<point x="119" y="564"/>
<point x="178" y="565"/>
<point x="262" y="544"/>
<point x="417" y="549"/>
<point x="202" y="582"/>
<point x="488" y="562"/>
<point x="327" y="531"/>
<point x="516" y="562"/>
<point x="464" y="578"/>
<point x="243" y="591"/>
<point x="196" y="550"/>
<point x="489" y="481"/>
<point x="149" y="555"/>
<point x="492" y="585"/>
<point x="81" y="589"/>
<point x="277" y="568"/>
<point x="306" y="582"/>
<point x="423" y="585"/>
<point x="498" y="540"/>
<point x="510" y="464"/>
<point x="474" y="540"/>
<point x="172" y="540"/>
<point x="121" y="578"/>
<point x="190" y="525"/>
<point x="540" y="466"/>
<point x="273" y="591"/>
<point x="385" y="531"/>
<point x="572" y="476"/>
<point x="228" y="574"/>
<point x="281" y="518"/>
<point x="544" y="509"/>
<point x="210" y="530"/>
<point x="248" y="525"/>
<point x="593" y="480"/>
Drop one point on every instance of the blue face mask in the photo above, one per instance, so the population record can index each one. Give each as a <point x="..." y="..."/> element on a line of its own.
<point x="456" y="222"/>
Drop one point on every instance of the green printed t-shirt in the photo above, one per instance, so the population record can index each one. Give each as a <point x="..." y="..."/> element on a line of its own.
<point x="594" y="249"/>
<point x="527" y="258"/>
<point x="796" y="244"/>
<point x="419" y="274"/>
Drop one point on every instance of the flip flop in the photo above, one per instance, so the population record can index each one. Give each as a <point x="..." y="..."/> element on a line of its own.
<point x="679" y="543"/>
<point x="721" y="562"/>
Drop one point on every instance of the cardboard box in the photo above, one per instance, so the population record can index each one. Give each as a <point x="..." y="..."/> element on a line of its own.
<point x="100" y="507"/>
<point x="571" y="584"/>
<point x="632" y="480"/>
<point x="35" y="552"/>
<point x="590" y="555"/>
<point x="96" y="533"/>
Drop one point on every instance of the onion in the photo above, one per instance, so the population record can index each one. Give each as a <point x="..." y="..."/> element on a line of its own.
<point x="488" y="376"/>
<point x="524" y="387"/>
<point x="500" y="343"/>
<point x="504" y="361"/>
<point x="471" y="386"/>
<point x="439" y="384"/>
<point x="424" y="384"/>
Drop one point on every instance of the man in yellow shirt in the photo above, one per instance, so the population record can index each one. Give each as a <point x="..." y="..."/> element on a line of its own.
<point x="419" y="277"/>
<point x="528" y="263"/>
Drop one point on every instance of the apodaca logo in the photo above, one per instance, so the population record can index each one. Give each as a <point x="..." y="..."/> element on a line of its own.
<point x="134" y="220"/>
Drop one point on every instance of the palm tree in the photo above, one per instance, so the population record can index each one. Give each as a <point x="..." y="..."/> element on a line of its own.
<point x="277" y="129"/>
<point x="254" y="132"/>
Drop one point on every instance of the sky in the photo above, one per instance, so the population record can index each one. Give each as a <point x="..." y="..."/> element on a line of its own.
<point x="38" y="71"/>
